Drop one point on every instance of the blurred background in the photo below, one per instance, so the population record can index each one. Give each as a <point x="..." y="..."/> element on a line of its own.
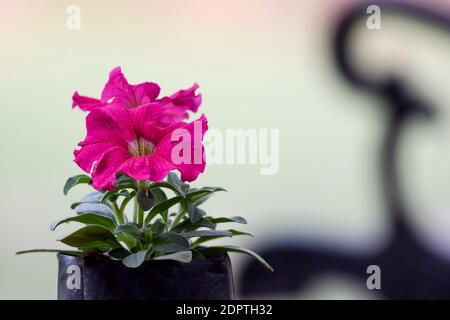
<point x="260" y="64"/>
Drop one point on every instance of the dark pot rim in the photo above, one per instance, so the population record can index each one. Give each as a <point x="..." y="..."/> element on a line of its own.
<point x="102" y="258"/>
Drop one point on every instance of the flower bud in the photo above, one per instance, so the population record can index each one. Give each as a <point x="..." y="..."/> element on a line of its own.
<point x="145" y="199"/>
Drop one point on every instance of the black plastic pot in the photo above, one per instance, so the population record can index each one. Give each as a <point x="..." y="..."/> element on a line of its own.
<point x="100" y="278"/>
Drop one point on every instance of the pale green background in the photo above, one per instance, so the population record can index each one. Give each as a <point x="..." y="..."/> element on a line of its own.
<point x="260" y="64"/>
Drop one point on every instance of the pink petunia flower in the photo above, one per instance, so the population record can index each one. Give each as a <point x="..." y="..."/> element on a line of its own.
<point x="118" y="91"/>
<point x="132" y="141"/>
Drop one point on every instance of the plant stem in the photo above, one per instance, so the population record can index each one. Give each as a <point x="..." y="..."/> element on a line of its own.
<point x="124" y="204"/>
<point x="121" y="220"/>
<point x="138" y="213"/>
<point x="135" y="210"/>
<point x="117" y="212"/>
<point x="129" y="242"/>
<point x="141" y="217"/>
<point x="178" y="217"/>
<point x="166" y="225"/>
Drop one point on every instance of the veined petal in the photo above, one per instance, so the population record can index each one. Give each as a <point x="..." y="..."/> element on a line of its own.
<point x="154" y="131"/>
<point x="149" y="113"/>
<point x="86" y="103"/>
<point x="111" y="123"/>
<point x="172" y="114"/>
<point x="107" y="127"/>
<point x="146" y="92"/>
<point x="104" y="172"/>
<point x="117" y="89"/>
<point x="185" y="99"/>
<point x="89" y="154"/>
<point x="183" y="146"/>
<point x="150" y="167"/>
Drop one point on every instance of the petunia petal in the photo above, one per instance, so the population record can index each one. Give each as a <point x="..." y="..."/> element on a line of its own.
<point x="150" y="167"/>
<point x="104" y="172"/>
<point x="185" y="99"/>
<point x="106" y="127"/>
<point x="86" y="103"/>
<point x="117" y="89"/>
<point x="172" y="114"/>
<point x="183" y="146"/>
<point x="149" y="113"/>
<point x="89" y="154"/>
<point x="146" y="92"/>
<point x="111" y="123"/>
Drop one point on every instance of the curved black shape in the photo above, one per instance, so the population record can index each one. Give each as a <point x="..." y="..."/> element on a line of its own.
<point x="352" y="18"/>
<point x="409" y="269"/>
<point x="401" y="102"/>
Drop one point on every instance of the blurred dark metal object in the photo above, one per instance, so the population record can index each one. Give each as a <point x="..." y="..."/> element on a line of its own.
<point x="409" y="270"/>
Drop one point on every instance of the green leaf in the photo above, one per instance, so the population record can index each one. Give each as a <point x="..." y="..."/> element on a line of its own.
<point x="197" y="255"/>
<point x="93" y="197"/>
<point x="162" y="207"/>
<point x="202" y="200"/>
<point x="196" y="196"/>
<point x="240" y="233"/>
<point x="204" y="239"/>
<point x="173" y="179"/>
<point x="157" y="227"/>
<point x="219" y="249"/>
<point x="226" y="219"/>
<point x="180" y="256"/>
<point x="195" y="214"/>
<point x="129" y="228"/>
<point x="167" y="185"/>
<point x="116" y="193"/>
<point x="187" y="225"/>
<point x="126" y="201"/>
<point x="88" y="218"/>
<point x="118" y="253"/>
<point x="147" y="234"/>
<point x="92" y="203"/>
<point x="67" y="252"/>
<point x="122" y="178"/>
<point x="134" y="260"/>
<point x="159" y="195"/>
<point x="170" y="242"/>
<point x="73" y="181"/>
<point x="214" y="189"/>
<point x="76" y="204"/>
<point x="91" y="237"/>
<point x="207" y="233"/>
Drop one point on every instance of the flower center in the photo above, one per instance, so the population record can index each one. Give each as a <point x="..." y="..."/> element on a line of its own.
<point x="141" y="147"/>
